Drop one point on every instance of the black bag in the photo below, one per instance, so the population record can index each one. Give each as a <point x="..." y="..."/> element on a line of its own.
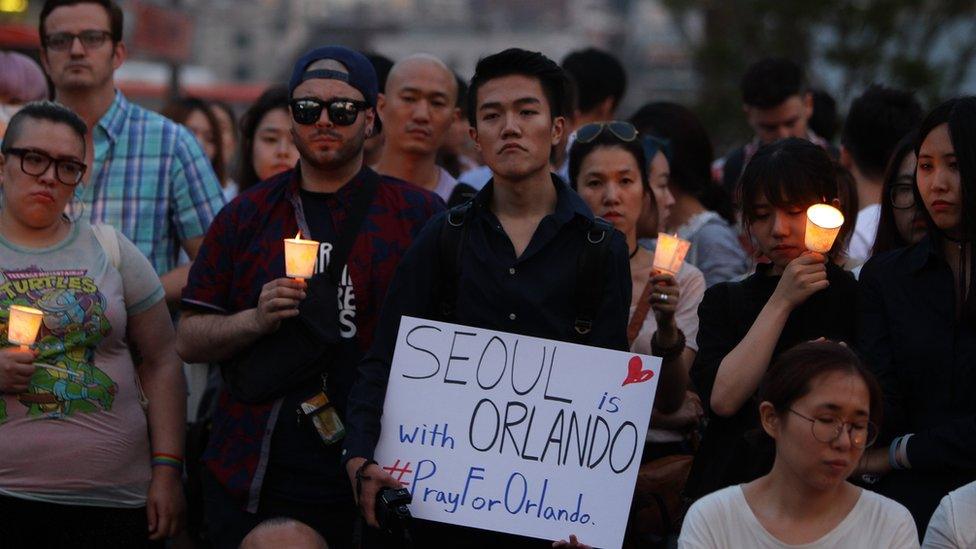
<point x="301" y="348"/>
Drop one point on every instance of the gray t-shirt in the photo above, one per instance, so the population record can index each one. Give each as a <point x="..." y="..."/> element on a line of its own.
<point x="78" y="436"/>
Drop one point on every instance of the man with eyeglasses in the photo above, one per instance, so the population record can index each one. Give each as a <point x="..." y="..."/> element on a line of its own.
<point x="289" y="348"/>
<point x="148" y="177"/>
<point x="876" y="121"/>
<point x="509" y="260"/>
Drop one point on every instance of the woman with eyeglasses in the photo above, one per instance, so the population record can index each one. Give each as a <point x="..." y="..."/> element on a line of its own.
<point x="820" y="406"/>
<point x="917" y="325"/>
<point x="743" y="326"/>
<point x="610" y="172"/>
<point x="267" y="146"/>
<point x="901" y="221"/>
<point x="84" y="460"/>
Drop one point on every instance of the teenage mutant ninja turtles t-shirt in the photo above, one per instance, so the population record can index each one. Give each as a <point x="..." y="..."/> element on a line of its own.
<point x="78" y="436"/>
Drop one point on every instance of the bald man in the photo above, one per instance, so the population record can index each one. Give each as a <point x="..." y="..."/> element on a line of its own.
<point x="418" y="107"/>
<point x="283" y="533"/>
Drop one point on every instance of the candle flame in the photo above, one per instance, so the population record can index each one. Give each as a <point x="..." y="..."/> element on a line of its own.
<point x="298" y="235"/>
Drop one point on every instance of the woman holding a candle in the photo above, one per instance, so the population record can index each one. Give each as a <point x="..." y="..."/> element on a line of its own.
<point x="607" y="165"/>
<point x="798" y="296"/>
<point x="84" y="458"/>
<point x="917" y="325"/>
<point x="702" y="212"/>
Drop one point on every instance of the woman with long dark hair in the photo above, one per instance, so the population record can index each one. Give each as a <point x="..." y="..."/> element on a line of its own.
<point x="267" y="147"/>
<point x="198" y="117"/>
<point x="917" y="324"/>
<point x="901" y="222"/>
<point x="702" y="212"/>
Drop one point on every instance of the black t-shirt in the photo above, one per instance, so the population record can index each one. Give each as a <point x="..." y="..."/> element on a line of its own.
<point x="302" y="468"/>
<point x="733" y="450"/>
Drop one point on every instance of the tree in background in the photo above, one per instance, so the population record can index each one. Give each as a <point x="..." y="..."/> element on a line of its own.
<point x="924" y="45"/>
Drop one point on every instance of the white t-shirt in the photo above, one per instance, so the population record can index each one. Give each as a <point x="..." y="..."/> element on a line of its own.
<point x="953" y="525"/>
<point x="725" y="520"/>
<point x="866" y="228"/>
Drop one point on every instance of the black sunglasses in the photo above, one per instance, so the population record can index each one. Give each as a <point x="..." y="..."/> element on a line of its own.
<point x="624" y="131"/>
<point x="342" y="112"/>
<point x="35" y="162"/>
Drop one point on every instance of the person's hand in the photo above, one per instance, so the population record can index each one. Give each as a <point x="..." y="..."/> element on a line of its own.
<point x="573" y="542"/>
<point x="803" y="277"/>
<point x="16" y="369"/>
<point x="279" y="300"/>
<point x="874" y="462"/>
<point x="165" y="505"/>
<point x="685" y="418"/>
<point x="664" y="299"/>
<point x="374" y="480"/>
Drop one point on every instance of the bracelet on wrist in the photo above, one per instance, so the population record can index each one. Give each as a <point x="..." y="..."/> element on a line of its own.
<point x="360" y="477"/>
<point x="160" y="459"/>
<point x="671" y="351"/>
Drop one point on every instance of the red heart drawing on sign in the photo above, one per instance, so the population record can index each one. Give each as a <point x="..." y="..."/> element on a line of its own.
<point x="636" y="373"/>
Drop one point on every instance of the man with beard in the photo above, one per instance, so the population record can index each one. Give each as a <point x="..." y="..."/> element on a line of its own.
<point x="287" y="348"/>
<point x="148" y="176"/>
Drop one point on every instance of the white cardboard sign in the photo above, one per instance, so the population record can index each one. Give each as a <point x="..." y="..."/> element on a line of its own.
<point x="516" y="434"/>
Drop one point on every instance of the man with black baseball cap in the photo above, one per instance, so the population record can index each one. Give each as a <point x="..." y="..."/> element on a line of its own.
<point x="288" y="348"/>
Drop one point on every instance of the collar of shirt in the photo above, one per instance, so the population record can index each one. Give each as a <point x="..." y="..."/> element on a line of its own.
<point x="922" y="254"/>
<point x="343" y="196"/>
<point x="113" y="121"/>
<point x="568" y="204"/>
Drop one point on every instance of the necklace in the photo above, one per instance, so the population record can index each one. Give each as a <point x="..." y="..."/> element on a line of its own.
<point x="633" y="253"/>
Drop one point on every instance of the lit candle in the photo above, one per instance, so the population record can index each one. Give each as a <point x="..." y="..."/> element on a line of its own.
<point x="300" y="257"/>
<point x="23" y="325"/>
<point x="823" y="224"/>
<point x="670" y="253"/>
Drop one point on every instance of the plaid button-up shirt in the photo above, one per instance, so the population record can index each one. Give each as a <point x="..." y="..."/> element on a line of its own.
<point x="151" y="181"/>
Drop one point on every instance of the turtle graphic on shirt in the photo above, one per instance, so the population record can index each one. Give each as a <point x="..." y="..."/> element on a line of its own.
<point x="66" y="380"/>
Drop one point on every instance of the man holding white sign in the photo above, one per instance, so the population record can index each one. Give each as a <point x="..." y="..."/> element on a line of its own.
<point x="525" y="256"/>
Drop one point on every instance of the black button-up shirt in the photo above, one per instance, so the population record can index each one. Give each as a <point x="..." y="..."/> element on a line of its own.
<point x="534" y="294"/>
<point x="925" y="360"/>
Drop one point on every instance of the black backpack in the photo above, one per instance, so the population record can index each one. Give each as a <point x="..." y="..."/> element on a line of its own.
<point x="589" y="268"/>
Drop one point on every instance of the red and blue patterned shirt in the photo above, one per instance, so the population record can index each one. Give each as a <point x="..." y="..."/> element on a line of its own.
<point x="244" y="249"/>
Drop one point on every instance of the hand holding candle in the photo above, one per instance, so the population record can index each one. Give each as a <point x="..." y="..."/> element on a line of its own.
<point x="23" y="324"/>
<point x="300" y="256"/>
<point x="670" y="253"/>
<point x="823" y="224"/>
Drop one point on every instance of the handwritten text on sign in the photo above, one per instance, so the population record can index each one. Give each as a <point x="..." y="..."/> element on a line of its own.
<point x="516" y="434"/>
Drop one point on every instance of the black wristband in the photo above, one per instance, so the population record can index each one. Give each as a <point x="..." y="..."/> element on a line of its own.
<point x="360" y="477"/>
<point x="670" y="352"/>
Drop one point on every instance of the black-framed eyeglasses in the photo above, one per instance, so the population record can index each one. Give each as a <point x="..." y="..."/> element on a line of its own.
<point x="902" y="196"/>
<point x="35" y="162"/>
<point x="861" y="433"/>
<point x="624" y="131"/>
<point x="62" y="41"/>
<point x="342" y="112"/>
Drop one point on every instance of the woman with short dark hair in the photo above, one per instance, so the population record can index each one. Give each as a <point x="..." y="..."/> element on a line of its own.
<point x="743" y="326"/>
<point x="84" y="459"/>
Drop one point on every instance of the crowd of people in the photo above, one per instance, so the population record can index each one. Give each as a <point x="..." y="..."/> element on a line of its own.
<point x="184" y="390"/>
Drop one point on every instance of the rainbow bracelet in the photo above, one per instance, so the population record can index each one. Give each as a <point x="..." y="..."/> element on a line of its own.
<point x="167" y="460"/>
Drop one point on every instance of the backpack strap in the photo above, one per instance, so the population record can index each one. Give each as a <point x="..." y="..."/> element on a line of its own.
<point x="590" y="276"/>
<point x="109" y="241"/>
<point x="453" y="235"/>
